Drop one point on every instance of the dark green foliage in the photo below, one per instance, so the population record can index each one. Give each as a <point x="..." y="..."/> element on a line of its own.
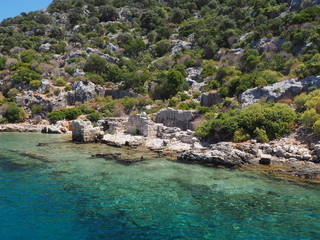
<point x="15" y="114"/>
<point x="2" y="62"/>
<point x="72" y="113"/>
<point x="95" y="64"/>
<point x="25" y="75"/>
<point x="36" y="109"/>
<point x="94" y="117"/>
<point x="55" y="116"/>
<point x="307" y="15"/>
<point x="263" y="121"/>
<point x="134" y="46"/>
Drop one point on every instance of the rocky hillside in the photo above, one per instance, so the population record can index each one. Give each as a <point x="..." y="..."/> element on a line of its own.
<point x="103" y="58"/>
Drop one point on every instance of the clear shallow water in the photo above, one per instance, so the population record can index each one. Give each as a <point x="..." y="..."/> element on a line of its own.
<point x="60" y="192"/>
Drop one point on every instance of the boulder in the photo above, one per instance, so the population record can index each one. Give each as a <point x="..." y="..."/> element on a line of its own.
<point x="218" y="154"/>
<point x="78" y="73"/>
<point x="176" y="118"/>
<point x="45" y="85"/>
<point x="58" y="128"/>
<point x="45" y="47"/>
<point x="279" y="90"/>
<point x="112" y="47"/>
<point x="83" y="131"/>
<point x="194" y="74"/>
<point x="210" y="98"/>
<point x="265" y="159"/>
<point x="81" y="92"/>
<point x="179" y="46"/>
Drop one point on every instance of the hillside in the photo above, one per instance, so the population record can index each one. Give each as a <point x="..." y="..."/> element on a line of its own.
<point x="100" y="58"/>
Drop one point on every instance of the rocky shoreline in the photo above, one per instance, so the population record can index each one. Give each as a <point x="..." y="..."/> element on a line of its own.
<point x="292" y="155"/>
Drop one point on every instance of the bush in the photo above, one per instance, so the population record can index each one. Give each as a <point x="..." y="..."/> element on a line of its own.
<point x="55" y="116"/>
<point x="35" y="84"/>
<point x="25" y="75"/>
<point x="263" y="121"/>
<point x="316" y="127"/>
<point x="60" y="82"/>
<point x="15" y="114"/>
<point x="72" y="113"/>
<point x="96" y="64"/>
<point x="135" y="132"/>
<point x="309" y="117"/>
<point x="261" y="135"/>
<point x="240" y="136"/>
<point x="67" y="88"/>
<point x="3" y="61"/>
<point x="36" y="109"/>
<point x="94" y="117"/>
<point x="13" y="92"/>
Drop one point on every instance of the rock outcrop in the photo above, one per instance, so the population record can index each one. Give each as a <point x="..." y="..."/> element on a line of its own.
<point x="83" y="131"/>
<point x="194" y="78"/>
<point x="179" y="46"/>
<point x="20" y="128"/>
<point x="218" y="154"/>
<point x="177" y="118"/>
<point x="279" y="90"/>
<point x="81" y="92"/>
<point x="29" y="98"/>
<point x="58" y="128"/>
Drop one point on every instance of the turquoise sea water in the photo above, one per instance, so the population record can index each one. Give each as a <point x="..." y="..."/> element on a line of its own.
<point x="60" y="192"/>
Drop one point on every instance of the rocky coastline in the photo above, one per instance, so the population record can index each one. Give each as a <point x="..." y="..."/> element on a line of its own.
<point x="294" y="155"/>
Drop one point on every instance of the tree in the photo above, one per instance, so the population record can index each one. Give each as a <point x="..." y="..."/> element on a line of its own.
<point x="134" y="46"/>
<point x="96" y="64"/>
<point x="175" y="82"/>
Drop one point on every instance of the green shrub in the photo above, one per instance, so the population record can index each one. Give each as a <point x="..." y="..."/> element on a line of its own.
<point x="94" y="117"/>
<point x="3" y="61"/>
<point x="67" y="88"/>
<point x="35" y="84"/>
<point x="316" y="127"/>
<point x="25" y="75"/>
<point x="13" y="92"/>
<point x="309" y="117"/>
<point x="257" y="120"/>
<point x="135" y="132"/>
<point x="261" y="135"/>
<point x="60" y="82"/>
<point x="3" y="120"/>
<point x="72" y="113"/>
<point x="36" y="109"/>
<point x="55" y="116"/>
<point x="15" y="114"/>
<point x="240" y="136"/>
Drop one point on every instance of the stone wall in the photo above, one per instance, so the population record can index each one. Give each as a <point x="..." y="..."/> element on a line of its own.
<point x="83" y="131"/>
<point x="143" y="124"/>
<point x="177" y="118"/>
<point x="209" y="99"/>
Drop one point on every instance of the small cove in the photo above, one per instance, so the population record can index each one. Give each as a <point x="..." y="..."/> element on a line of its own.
<point x="60" y="192"/>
